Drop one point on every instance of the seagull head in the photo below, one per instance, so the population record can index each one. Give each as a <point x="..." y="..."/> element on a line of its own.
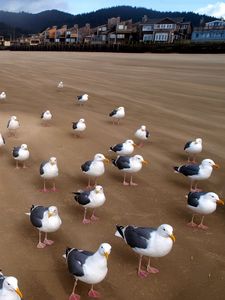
<point x="140" y="159"/>
<point x="98" y="189"/>
<point x="166" y="231"/>
<point x="53" y="160"/>
<point x="13" y="118"/>
<point x="82" y="120"/>
<point x="121" y="108"/>
<point x="209" y="163"/>
<point x="48" y="112"/>
<point x="198" y="141"/>
<point x="105" y="250"/>
<point x="130" y="142"/>
<point x="11" y="284"/>
<point x="100" y="157"/>
<point x="52" y="211"/>
<point x="24" y="147"/>
<point x="3" y="94"/>
<point x="214" y="198"/>
<point x="143" y="127"/>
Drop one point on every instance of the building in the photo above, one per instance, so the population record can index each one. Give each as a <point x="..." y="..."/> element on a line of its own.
<point x="165" y="30"/>
<point x="210" y="32"/>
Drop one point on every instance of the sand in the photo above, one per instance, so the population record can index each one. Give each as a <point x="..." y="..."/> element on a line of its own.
<point x="178" y="97"/>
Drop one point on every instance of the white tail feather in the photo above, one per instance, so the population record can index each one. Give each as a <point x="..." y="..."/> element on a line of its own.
<point x="118" y="234"/>
<point x="28" y="214"/>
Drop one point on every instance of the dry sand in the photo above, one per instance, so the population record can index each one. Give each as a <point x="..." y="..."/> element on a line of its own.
<point x="178" y="98"/>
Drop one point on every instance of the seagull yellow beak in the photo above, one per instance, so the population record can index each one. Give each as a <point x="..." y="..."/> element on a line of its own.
<point x="19" y="293"/>
<point x="135" y="145"/>
<point x="220" y="201"/>
<point x="50" y="214"/>
<point x="145" y="162"/>
<point x="216" y="166"/>
<point x="106" y="254"/>
<point x="172" y="237"/>
<point x="106" y="160"/>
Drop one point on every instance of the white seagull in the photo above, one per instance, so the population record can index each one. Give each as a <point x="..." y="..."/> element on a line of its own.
<point x="46" y="117"/>
<point x="79" y="127"/>
<point x="95" y="167"/>
<point x="20" y="153"/>
<point x="125" y="148"/>
<point x="130" y="165"/>
<point x="197" y="172"/>
<point x="142" y="134"/>
<point x="60" y="85"/>
<point x="9" y="289"/>
<point x="2" y="96"/>
<point x="49" y="170"/>
<point x="2" y="141"/>
<point x="117" y="114"/>
<point x="147" y="241"/>
<point x="13" y="125"/>
<point x="90" y="199"/>
<point x="88" y="267"/>
<point x="192" y="148"/>
<point x="82" y="98"/>
<point x="45" y="219"/>
<point x="202" y="204"/>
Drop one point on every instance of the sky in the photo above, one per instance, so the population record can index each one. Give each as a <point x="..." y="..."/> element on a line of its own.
<point x="209" y="7"/>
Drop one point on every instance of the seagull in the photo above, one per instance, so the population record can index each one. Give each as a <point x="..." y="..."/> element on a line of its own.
<point x="193" y="148"/>
<point x="9" y="288"/>
<point x="129" y="165"/>
<point x="2" y="96"/>
<point x="147" y="241"/>
<point x="20" y="153"/>
<point x="90" y="199"/>
<point x="79" y="126"/>
<point x="197" y="172"/>
<point x="49" y="170"/>
<point x="45" y="219"/>
<point x="95" y="167"/>
<point x="12" y="125"/>
<point x="88" y="267"/>
<point x="60" y="85"/>
<point x="2" y="141"/>
<point x="46" y="117"/>
<point x="118" y="114"/>
<point x="125" y="148"/>
<point x="142" y="134"/>
<point x="82" y="98"/>
<point x="203" y="204"/>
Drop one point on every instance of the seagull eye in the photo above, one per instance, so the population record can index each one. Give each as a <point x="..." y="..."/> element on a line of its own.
<point x="164" y="229"/>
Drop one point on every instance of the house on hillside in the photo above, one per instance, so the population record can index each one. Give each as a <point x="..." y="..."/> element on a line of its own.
<point x="165" y="30"/>
<point x="210" y="32"/>
<point x="125" y="32"/>
<point x="102" y="33"/>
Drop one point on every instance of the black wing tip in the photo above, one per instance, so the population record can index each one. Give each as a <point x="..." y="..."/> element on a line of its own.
<point x="176" y="169"/>
<point x="120" y="230"/>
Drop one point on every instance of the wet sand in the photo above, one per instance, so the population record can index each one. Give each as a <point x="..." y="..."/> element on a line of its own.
<point x="178" y="97"/>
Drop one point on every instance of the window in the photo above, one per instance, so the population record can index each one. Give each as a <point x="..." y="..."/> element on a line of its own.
<point x="147" y="28"/>
<point x="147" y="37"/>
<point x="120" y="36"/>
<point x="120" y="26"/>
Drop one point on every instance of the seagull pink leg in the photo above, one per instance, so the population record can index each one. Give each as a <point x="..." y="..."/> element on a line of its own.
<point x="74" y="296"/>
<point x="93" y="217"/>
<point x="131" y="181"/>
<point x="17" y="164"/>
<point x="124" y="180"/>
<point x="44" y="189"/>
<point x="86" y="221"/>
<point x="54" y="188"/>
<point x="192" y="224"/>
<point x="201" y="226"/>
<point x="40" y="245"/>
<point x="93" y="294"/>
<point x="141" y="273"/>
<point x="151" y="269"/>
<point x="47" y="242"/>
<point x="89" y="183"/>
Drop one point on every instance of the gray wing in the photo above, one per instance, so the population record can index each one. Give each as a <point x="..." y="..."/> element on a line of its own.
<point x="187" y="145"/>
<point x="42" y="115"/>
<point x="114" y="112"/>
<point x="2" y="278"/>
<point x="3" y="139"/>
<point x="137" y="237"/>
<point x="193" y="198"/>
<point x="147" y="133"/>
<point x="80" y="97"/>
<point x="82" y="198"/>
<point x="42" y="167"/>
<point x="76" y="259"/>
<point x="117" y="147"/>
<point x="86" y="166"/>
<point x="8" y="123"/>
<point x="189" y="170"/>
<point x="75" y="125"/>
<point x="15" y="151"/>
<point x="36" y="215"/>
<point x="122" y="162"/>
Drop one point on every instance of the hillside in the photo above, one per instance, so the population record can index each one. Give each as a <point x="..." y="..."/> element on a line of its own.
<point x="33" y="23"/>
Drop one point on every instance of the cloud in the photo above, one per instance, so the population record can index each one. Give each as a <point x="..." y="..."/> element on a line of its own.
<point x="33" y="5"/>
<point x="215" y="10"/>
